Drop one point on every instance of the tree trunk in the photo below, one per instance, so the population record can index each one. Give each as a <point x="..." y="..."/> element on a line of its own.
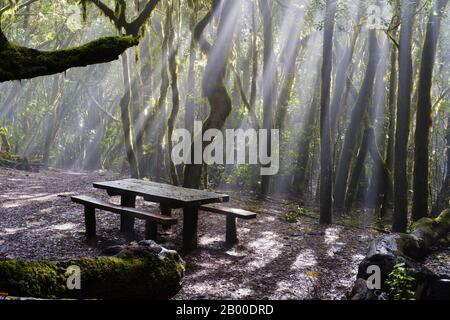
<point x="94" y="125"/>
<point x="269" y="78"/>
<point x="443" y="198"/>
<point x="305" y="141"/>
<point x="362" y="103"/>
<point x="341" y="75"/>
<point x="175" y="103"/>
<point x="423" y="117"/>
<point x="213" y="81"/>
<point x="126" y="120"/>
<point x="325" y="130"/>
<point x="389" y="192"/>
<point x="190" y="91"/>
<point x="156" y="116"/>
<point x="357" y="170"/>
<point x="6" y="147"/>
<point x="400" y="220"/>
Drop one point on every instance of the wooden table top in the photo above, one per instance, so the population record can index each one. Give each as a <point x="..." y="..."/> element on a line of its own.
<point x="161" y="193"/>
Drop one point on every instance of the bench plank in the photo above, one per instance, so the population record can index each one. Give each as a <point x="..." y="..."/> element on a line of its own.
<point x="232" y="215"/>
<point x="136" y="213"/>
<point x="234" y="212"/>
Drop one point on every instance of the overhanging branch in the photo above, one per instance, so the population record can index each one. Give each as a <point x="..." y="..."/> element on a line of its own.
<point x="24" y="63"/>
<point x="18" y="63"/>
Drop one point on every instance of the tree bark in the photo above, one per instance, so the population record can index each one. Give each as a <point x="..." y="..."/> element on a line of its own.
<point x="325" y="130"/>
<point x="269" y="78"/>
<point x="389" y="196"/>
<point x="305" y="141"/>
<point x="18" y="63"/>
<point x="357" y="170"/>
<point x="126" y="121"/>
<point x="443" y="198"/>
<point x="341" y="75"/>
<point x="213" y="81"/>
<point x="400" y="220"/>
<point x="362" y="103"/>
<point x="423" y="117"/>
<point x="175" y="103"/>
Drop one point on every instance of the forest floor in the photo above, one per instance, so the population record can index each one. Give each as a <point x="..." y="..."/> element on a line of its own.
<point x="274" y="259"/>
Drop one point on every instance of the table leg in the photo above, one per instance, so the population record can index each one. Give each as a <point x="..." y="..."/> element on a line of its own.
<point x="151" y="230"/>
<point x="231" y="232"/>
<point x="127" y="223"/>
<point x="165" y="211"/>
<point x="190" y="220"/>
<point x="89" y="218"/>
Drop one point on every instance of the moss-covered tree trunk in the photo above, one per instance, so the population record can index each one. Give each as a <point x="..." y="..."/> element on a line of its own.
<point x="423" y="117"/>
<point x="145" y="271"/>
<point x="357" y="171"/>
<point x="191" y="78"/>
<point x="389" y="156"/>
<point x="325" y="123"/>
<point x="213" y="80"/>
<point x="173" y="69"/>
<point x="400" y="220"/>
<point x="18" y="63"/>
<point x="127" y="125"/>
<point x="306" y="139"/>
<point x="269" y="83"/>
<point x="443" y="198"/>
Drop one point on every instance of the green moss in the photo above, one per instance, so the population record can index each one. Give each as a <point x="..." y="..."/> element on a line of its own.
<point x="101" y="278"/>
<point x="24" y="63"/>
<point x="43" y="279"/>
<point x="444" y="217"/>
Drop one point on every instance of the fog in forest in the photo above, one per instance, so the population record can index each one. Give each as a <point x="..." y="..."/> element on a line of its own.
<point x="357" y="92"/>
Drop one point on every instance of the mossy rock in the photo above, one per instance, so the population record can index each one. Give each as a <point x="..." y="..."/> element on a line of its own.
<point x="144" y="271"/>
<point x="389" y="250"/>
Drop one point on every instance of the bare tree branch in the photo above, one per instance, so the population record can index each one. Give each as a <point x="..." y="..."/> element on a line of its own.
<point x="131" y="28"/>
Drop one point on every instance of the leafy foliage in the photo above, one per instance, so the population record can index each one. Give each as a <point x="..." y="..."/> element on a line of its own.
<point x="293" y="212"/>
<point x="401" y="284"/>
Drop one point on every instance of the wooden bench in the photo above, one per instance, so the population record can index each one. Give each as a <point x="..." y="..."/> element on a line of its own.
<point x="151" y="219"/>
<point x="232" y="214"/>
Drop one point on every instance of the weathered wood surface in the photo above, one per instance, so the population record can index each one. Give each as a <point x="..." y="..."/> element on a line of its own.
<point x="127" y="214"/>
<point x="190" y="226"/>
<point x="231" y="223"/>
<point x="168" y="195"/>
<point x="136" y="213"/>
<point x="231" y="231"/>
<point x="233" y="212"/>
<point x="127" y="222"/>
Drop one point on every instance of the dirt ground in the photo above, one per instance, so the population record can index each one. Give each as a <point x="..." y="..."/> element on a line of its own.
<point x="273" y="260"/>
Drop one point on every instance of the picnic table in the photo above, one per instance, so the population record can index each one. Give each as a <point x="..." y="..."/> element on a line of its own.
<point x="169" y="197"/>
